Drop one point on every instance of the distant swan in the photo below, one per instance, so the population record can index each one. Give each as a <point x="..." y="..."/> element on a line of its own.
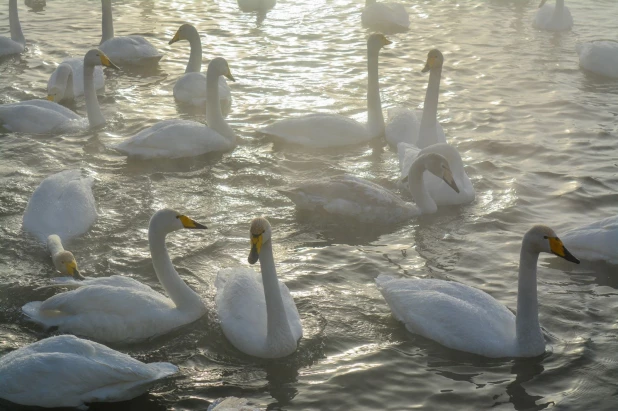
<point x="17" y="43"/>
<point x="597" y="241"/>
<point x="119" y="309"/>
<point x="553" y="18"/>
<point x="66" y="371"/>
<point x="385" y="17"/>
<point x="257" y="313"/>
<point x="191" y="87"/>
<point x="63" y="260"/>
<point x="467" y="319"/>
<point x="67" y="81"/>
<point x="599" y="57"/>
<point x="256" y="5"/>
<point x="333" y="130"/>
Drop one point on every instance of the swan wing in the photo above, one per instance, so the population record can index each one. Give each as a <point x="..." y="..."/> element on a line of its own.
<point x="191" y="89"/>
<point x="130" y="50"/>
<point x="600" y="57"/>
<point x="544" y="19"/>
<point x="402" y="126"/>
<point x="112" y="281"/>
<point x="8" y="47"/>
<point x="77" y="65"/>
<point x="38" y="117"/>
<point x="386" y="17"/>
<point x="594" y="242"/>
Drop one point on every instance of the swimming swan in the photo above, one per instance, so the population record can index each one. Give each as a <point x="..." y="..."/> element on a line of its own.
<point x="467" y="319"/>
<point x="256" y="5"/>
<point x="119" y="309"/>
<point x="333" y="130"/>
<point x="553" y="18"/>
<point x="257" y="313"/>
<point x="385" y="17"/>
<point x="17" y="43"/>
<point x="403" y="124"/>
<point x="66" y="371"/>
<point x="596" y="241"/>
<point x="441" y="192"/>
<point x="191" y="88"/>
<point x="125" y="50"/>
<point x="185" y="138"/>
<point x="63" y="260"/>
<point x="67" y="81"/>
<point x="354" y="197"/>
<point x="48" y="117"/>
<point x="599" y="57"/>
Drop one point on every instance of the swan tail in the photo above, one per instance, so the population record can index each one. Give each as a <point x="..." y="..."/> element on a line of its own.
<point x="33" y="311"/>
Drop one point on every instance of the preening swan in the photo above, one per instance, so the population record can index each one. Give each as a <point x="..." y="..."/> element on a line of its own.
<point x="333" y="130"/>
<point x="403" y="124"/>
<point x="467" y="319"/>
<point x="48" y="117"/>
<point x="185" y="138"/>
<point x="125" y="50"/>
<point x="438" y="189"/>
<point x="257" y="313"/>
<point x="63" y="204"/>
<point x="597" y="241"/>
<point x="385" y="17"/>
<point x="17" y="43"/>
<point x="63" y="260"/>
<point x="192" y="88"/>
<point x="67" y="81"/>
<point x="119" y="309"/>
<point x="553" y="18"/>
<point x="599" y="57"/>
<point x="256" y="5"/>
<point x="354" y="197"/>
<point x="66" y="371"/>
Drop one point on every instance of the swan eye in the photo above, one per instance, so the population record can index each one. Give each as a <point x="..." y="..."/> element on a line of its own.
<point x="545" y="237"/>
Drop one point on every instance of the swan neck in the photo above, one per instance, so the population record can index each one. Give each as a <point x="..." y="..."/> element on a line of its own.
<point x="16" y="34"/>
<point x="559" y="9"/>
<point x="95" y="117"/>
<point x="527" y="319"/>
<point x="107" y="24"/>
<point x="214" y="118"/>
<point x="428" y="132"/>
<point x="54" y="245"/>
<point x="417" y="188"/>
<point x="195" y="59"/>
<point x="375" y="118"/>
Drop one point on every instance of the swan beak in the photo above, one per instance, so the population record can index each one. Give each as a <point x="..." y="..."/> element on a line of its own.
<point x="429" y="65"/>
<point x="175" y="38"/>
<point x="73" y="271"/>
<point x="448" y="179"/>
<point x="556" y="246"/>
<point x="107" y="62"/>
<point x="188" y="223"/>
<point x="256" y="246"/>
<point x="50" y="97"/>
<point x="229" y="75"/>
<point x="387" y="41"/>
<point x="542" y="3"/>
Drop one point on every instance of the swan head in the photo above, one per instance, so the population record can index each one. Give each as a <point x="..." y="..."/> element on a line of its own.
<point x="168" y="220"/>
<point x="434" y="60"/>
<point x="65" y="263"/>
<point x="376" y="41"/>
<point x="542" y="239"/>
<point x="184" y="32"/>
<point x="96" y="57"/>
<point x="63" y="84"/>
<point x="259" y="233"/>
<point x="437" y="165"/>
<point x="220" y="67"/>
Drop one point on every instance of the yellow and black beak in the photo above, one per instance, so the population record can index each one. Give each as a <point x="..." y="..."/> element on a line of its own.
<point x="431" y="61"/>
<point x="188" y="223"/>
<point x="448" y="179"/>
<point x="556" y="246"/>
<point x="256" y="247"/>
<point x="107" y="62"/>
<point x="73" y="271"/>
<point x="50" y="97"/>
<point x="229" y="75"/>
<point x="175" y="38"/>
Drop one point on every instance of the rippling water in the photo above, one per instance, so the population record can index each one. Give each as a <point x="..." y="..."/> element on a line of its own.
<point x="537" y="134"/>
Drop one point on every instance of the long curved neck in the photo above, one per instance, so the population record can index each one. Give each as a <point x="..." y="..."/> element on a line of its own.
<point x="54" y="244"/>
<point x="559" y="9"/>
<point x="527" y="319"/>
<point x="214" y="118"/>
<point x="180" y="293"/>
<point x="375" y="118"/>
<point x="16" y="33"/>
<point x="417" y="187"/>
<point x="427" y="133"/>
<point x="95" y="117"/>
<point x="107" y="24"/>
<point x="69" y="93"/>
<point x="195" y="59"/>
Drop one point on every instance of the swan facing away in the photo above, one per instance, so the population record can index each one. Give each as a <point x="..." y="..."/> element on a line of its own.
<point x="332" y="130"/>
<point x="17" y="43"/>
<point x="67" y="81"/>
<point x="553" y="18"/>
<point x="119" y="309"/>
<point x="596" y="241"/>
<point x="438" y="189"/>
<point x="125" y="50"/>
<point x="385" y="17"/>
<point x="403" y="124"/>
<point x="192" y="87"/>
<point x="257" y="313"/>
<point x="63" y="260"/>
<point x="66" y="371"/>
<point x="63" y="204"/>
<point x="49" y="117"/>
<point x="185" y="138"/>
<point x="599" y="57"/>
<point x="354" y="197"/>
<point x="467" y="319"/>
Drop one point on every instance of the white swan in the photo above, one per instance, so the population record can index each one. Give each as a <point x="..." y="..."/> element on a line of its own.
<point x="191" y="88"/>
<point x="553" y="18"/>
<point x="67" y="81"/>
<point x="17" y="43"/>
<point x="354" y="197"/>
<point x="66" y="371"/>
<point x="599" y="57"/>
<point x="185" y="138"/>
<point x="467" y="319"/>
<point x="62" y="204"/>
<point x="119" y="309"/>
<point x="36" y="5"/>
<point x="256" y="5"/>
<point x="332" y="130"/>
<point x="47" y="117"/>
<point x="125" y="50"/>
<point x="597" y="241"/>
<point x="63" y="260"/>
<point x="403" y="124"/>
<point x="441" y="192"/>
<point x="385" y="17"/>
<point x="257" y="313"/>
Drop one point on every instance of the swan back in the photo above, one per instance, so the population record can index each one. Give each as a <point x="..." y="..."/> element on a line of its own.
<point x="596" y="241"/>
<point x="599" y="57"/>
<point x="553" y="17"/>
<point x="77" y="67"/>
<point x="61" y="88"/>
<point x="385" y="17"/>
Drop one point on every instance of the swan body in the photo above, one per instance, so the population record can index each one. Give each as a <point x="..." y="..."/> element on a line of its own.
<point x="330" y="130"/>
<point x="59" y="83"/>
<point x="256" y="5"/>
<point x="257" y="312"/>
<point x="599" y="57"/>
<point x="49" y="117"/>
<point x="17" y="43"/>
<point x="595" y="242"/>
<point x="354" y="197"/>
<point x="553" y="18"/>
<point x="192" y="87"/>
<point x="184" y="138"/>
<point x="438" y="189"/>
<point x="118" y="309"/>
<point x="467" y="319"/>
<point x="66" y="371"/>
<point x="125" y="50"/>
<point x="403" y="125"/>
<point x="63" y="204"/>
<point x="385" y="17"/>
